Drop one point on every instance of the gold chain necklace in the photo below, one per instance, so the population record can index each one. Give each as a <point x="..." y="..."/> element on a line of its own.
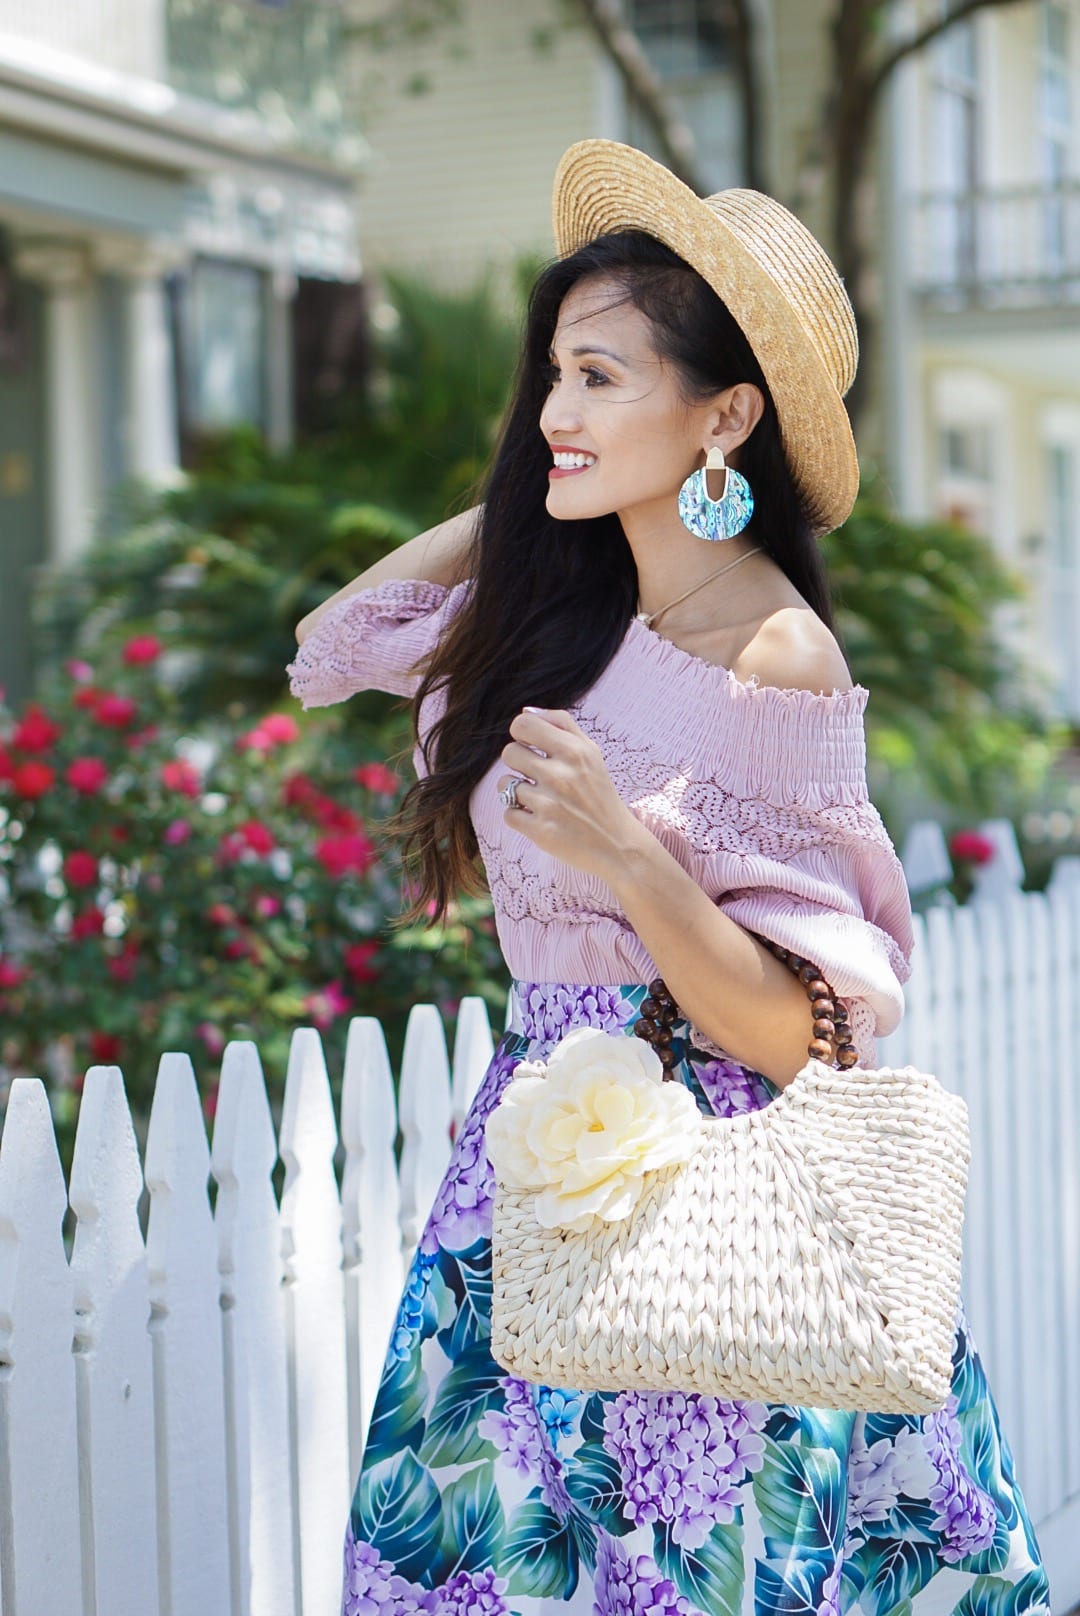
<point x="649" y="618"/>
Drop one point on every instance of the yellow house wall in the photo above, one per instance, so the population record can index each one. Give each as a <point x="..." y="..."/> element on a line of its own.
<point x="460" y="172"/>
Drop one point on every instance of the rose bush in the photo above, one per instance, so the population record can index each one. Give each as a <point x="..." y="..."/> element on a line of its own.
<point x="164" y="887"/>
<point x="584" y="1126"/>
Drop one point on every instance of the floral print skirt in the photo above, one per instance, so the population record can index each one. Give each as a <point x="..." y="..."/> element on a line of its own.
<point x="484" y="1495"/>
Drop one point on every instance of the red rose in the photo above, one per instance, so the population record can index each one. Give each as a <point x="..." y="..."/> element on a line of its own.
<point x="973" y="846"/>
<point x="280" y="728"/>
<point x="230" y="847"/>
<point x="35" y="731"/>
<point x="220" y="914"/>
<point x="115" y="712"/>
<point x="358" y="961"/>
<point x="267" y="906"/>
<point x="141" y="649"/>
<point x="326" y="1005"/>
<point x="120" y="833"/>
<point x="298" y="791"/>
<point x="182" y="776"/>
<point x="105" y="1048"/>
<point x="7" y="768"/>
<point x="32" y="780"/>
<point x="122" y="967"/>
<point x="257" y="836"/>
<point x="238" y="948"/>
<point x="342" y="855"/>
<point x="378" y="778"/>
<point x="333" y="815"/>
<point x="11" y="974"/>
<point x="90" y="923"/>
<point x="86" y="698"/>
<point x="80" y="869"/>
<point x="87" y="774"/>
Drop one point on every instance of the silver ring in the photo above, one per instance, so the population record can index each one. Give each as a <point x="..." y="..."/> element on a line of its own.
<point x="508" y="794"/>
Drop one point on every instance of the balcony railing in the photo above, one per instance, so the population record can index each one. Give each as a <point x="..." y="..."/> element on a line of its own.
<point x="1010" y="247"/>
<point x="284" y="61"/>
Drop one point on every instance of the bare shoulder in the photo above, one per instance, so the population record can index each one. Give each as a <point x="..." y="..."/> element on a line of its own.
<point x="794" y="650"/>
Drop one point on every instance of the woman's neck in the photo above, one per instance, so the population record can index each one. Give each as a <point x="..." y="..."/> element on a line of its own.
<point x="669" y="559"/>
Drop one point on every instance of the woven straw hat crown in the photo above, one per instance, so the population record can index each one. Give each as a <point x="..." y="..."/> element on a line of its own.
<point x="774" y="277"/>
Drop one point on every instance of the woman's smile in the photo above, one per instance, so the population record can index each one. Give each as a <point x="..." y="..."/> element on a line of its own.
<point x="569" y="462"/>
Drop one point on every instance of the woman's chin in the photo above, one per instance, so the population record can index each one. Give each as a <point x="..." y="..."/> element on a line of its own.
<point x="569" y="506"/>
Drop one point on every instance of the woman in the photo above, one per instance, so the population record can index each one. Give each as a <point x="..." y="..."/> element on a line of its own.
<point x="652" y="741"/>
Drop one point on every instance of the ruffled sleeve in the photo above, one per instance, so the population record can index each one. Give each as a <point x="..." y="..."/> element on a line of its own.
<point x="841" y="901"/>
<point x="373" y="640"/>
<point x="771" y="813"/>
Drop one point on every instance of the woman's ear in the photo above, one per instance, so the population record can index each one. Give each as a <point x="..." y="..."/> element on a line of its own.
<point x="733" y="416"/>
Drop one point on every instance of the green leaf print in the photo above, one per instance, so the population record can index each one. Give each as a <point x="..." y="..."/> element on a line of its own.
<point x="710" y="1577"/>
<point x="473" y="1524"/>
<point x="826" y="1428"/>
<point x="398" y="1417"/>
<point x="969" y="1385"/>
<point x="595" y="1484"/>
<point x="891" y="1572"/>
<point x="592" y="1416"/>
<point x="470" y="1388"/>
<point x="801" y="1496"/>
<point x="789" y="1587"/>
<point x="992" y="1596"/>
<point x="400" y="1513"/>
<point x="539" y="1554"/>
<point x="471" y="1324"/>
<point x="980" y="1449"/>
<point x="912" y="1519"/>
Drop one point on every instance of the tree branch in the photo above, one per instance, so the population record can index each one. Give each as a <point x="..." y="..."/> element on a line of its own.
<point x="925" y="36"/>
<point x="643" y="84"/>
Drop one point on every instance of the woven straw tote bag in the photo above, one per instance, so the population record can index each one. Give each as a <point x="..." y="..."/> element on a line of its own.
<point x="807" y="1253"/>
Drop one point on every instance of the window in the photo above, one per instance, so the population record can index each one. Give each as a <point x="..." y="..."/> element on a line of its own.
<point x="1055" y="130"/>
<point x="955" y="155"/>
<point x="224" y="342"/>
<point x="690" y="50"/>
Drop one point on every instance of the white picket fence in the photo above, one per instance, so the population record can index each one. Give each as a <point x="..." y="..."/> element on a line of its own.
<point x="194" y="1454"/>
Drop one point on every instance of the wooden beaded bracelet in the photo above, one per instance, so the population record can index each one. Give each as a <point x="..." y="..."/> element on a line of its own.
<point x="831" y="1042"/>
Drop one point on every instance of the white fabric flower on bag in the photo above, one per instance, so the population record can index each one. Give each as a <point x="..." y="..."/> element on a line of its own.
<point x="584" y="1127"/>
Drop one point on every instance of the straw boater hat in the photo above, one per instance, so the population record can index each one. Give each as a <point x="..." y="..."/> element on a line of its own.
<point x="774" y="277"/>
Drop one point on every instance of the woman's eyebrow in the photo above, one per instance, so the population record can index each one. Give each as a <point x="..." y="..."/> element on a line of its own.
<point x="590" y="348"/>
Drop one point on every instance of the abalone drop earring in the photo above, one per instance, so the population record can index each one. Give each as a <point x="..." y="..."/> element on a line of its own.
<point x="720" y="518"/>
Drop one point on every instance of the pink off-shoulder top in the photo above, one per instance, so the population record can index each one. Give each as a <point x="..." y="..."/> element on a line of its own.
<point x="759" y="793"/>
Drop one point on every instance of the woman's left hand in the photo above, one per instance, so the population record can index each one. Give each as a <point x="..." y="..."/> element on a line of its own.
<point x="568" y="805"/>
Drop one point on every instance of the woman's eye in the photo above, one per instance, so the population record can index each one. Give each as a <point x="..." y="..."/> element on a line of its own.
<point x="592" y="376"/>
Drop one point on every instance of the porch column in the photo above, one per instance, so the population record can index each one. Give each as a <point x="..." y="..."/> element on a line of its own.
<point x="72" y="444"/>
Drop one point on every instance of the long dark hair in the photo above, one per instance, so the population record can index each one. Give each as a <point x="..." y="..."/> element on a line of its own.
<point x="552" y="599"/>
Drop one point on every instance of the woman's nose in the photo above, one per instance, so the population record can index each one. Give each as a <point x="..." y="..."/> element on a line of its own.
<point x="560" y="413"/>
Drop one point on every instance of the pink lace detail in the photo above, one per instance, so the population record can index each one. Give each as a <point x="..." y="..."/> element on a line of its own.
<point x="373" y="640"/>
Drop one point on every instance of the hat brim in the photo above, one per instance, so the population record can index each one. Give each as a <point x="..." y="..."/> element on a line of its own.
<point x="602" y="186"/>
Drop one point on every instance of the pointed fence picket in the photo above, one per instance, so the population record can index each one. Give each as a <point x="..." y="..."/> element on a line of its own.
<point x="204" y="1398"/>
<point x="114" y="1379"/>
<point x="185" y="1331"/>
<point x="39" y="1501"/>
<point x="256" y="1392"/>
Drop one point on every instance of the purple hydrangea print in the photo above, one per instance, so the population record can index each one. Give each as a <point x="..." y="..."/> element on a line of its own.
<point x="372" y="1586"/>
<point x="518" y="1431"/>
<point x="683" y="1458"/>
<point x="878" y="1474"/>
<point x="829" y="1604"/>
<point x="631" y="1585"/>
<point x="462" y="1212"/>
<point x="731" y="1089"/>
<point x="549" y="1011"/>
<point x="966" y="1516"/>
<point x="469" y="1593"/>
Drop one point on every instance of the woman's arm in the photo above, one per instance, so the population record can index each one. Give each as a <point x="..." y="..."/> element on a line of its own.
<point x="437" y="556"/>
